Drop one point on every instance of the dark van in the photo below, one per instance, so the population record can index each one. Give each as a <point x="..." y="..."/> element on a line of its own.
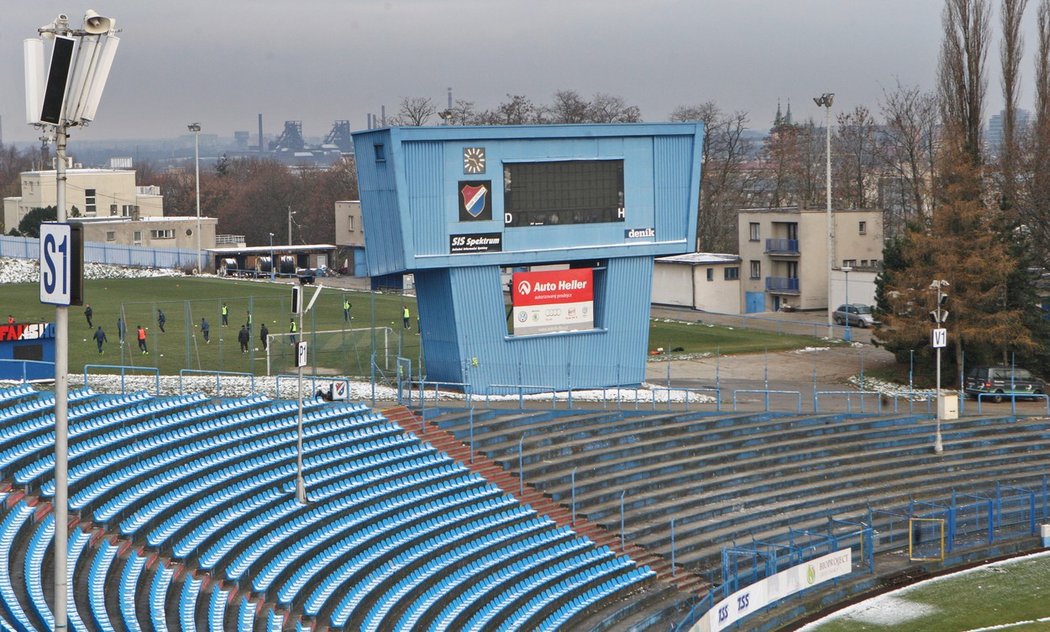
<point x="1002" y="381"/>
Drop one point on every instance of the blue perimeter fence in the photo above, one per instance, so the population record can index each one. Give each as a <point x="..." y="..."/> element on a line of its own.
<point x="970" y="520"/>
<point x="115" y="254"/>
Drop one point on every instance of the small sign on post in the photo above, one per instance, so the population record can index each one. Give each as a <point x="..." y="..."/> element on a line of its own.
<point x="297" y="299"/>
<point x="301" y="354"/>
<point x="940" y="338"/>
<point x="61" y="264"/>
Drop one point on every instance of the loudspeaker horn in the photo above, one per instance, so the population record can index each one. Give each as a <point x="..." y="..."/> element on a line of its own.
<point x="96" y="24"/>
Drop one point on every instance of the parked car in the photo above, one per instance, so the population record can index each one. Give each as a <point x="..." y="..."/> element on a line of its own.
<point x="858" y="315"/>
<point x="1001" y="382"/>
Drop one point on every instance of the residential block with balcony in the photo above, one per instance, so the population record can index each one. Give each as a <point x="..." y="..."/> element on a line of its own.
<point x="784" y="255"/>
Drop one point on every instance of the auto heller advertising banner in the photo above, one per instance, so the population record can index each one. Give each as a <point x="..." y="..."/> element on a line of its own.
<point x="552" y="300"/>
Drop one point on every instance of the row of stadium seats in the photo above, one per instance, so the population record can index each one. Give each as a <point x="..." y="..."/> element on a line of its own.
<point x="389" y="523"/>
<point x="476" y="532"/>
<point x="722" y="477"/>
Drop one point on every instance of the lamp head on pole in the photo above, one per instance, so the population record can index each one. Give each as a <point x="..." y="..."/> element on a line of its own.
<point x="825" y="100"/>
<point x="194" y="127"/>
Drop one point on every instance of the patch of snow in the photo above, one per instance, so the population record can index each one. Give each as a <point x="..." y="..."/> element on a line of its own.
<point x="811" y="350"/>
<point x="884" y="610"/>
<point x="892" y="389"/>
<point x="891" y="599"/>
<point x="240" y="386"/>
<point x="28" y="271"/>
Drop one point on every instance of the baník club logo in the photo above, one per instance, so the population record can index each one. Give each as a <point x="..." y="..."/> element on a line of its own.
<point x="475" y="200"/>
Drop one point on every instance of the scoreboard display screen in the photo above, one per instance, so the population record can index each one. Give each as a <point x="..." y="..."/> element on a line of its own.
<point x="563" y="192"/>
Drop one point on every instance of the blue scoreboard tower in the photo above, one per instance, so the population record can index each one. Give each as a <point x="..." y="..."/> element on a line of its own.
<point x="532" y="246"/>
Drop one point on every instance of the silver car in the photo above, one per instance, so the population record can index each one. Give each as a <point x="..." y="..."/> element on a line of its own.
<point x="857" y="315"/>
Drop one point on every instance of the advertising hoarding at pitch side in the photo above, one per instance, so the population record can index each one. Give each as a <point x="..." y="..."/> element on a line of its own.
<point x="552" y="300"/>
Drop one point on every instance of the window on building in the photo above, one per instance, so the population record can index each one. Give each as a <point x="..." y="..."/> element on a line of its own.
<point x="863" y="263"/>
<point x="127" y="210"/>
<point x="753" y="227"/>
<point x="89" y="202"/>
<point x="111" y="235"/>
<point x="849" y="262"/>
<point x="380" y="152"/>
<point x="137" y="237"/>
<point x="756" y="269"/>
<point x="710" y="274"/>
<point x="732" y="274"/>
<point x="113" y="209"/>
<point x="862" y="228"/>
<point x="166" y="233"/>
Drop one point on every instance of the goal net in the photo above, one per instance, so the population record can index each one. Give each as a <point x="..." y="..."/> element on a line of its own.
<point x="335" y="351"/>
<point x="926" y="539"/>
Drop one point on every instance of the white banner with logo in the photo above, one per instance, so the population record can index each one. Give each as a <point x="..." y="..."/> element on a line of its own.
<point x="772" y="589"/>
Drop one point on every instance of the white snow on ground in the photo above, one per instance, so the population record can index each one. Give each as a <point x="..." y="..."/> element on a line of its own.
<point x="892" y="389"/>
<point x="811" y="350"/>
<point x="890" y="610"/>
<point x="884" y="608"/>
<point x="27" y="271"/>
<point x="238" y="386"/>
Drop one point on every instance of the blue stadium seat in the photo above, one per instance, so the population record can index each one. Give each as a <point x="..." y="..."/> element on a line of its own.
<point x="129" y="578"/>
<point x="14" y="519"/>
<point x="158" y="594"/>
<point x="217" y="609"/>
<point x="97" y="584"/>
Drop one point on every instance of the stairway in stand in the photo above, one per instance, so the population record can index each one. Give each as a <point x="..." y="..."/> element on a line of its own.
<point x="479" y="463"/>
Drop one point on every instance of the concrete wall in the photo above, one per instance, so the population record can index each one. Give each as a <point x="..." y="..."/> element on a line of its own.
<point x="687" y="285"/>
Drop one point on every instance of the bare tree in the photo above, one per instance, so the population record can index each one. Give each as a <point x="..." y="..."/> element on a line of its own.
<point x="724" y="179"/>
<point x="905" y="149"/>
<point x="1034" y="192"/>
<point x="1010" y="15"/>
<point x="516" y="110"/>
<point x="461" y="113"/>
<point x="961" y="81"/>
<point x="568" y="107"/>
<point x="415" y="111"/>
<point x="854" y="153"/>
<point x="607" y="108"/>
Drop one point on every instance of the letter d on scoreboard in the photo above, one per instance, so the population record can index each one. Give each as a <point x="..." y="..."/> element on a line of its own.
<point x="61" y="264"/>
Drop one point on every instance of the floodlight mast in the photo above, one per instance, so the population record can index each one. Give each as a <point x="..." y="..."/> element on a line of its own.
<point x="70" y="96"/>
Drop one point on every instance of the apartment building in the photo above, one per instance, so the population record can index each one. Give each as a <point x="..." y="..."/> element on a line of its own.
<point x="89" y="193"/>
<point x="784" y="254"/>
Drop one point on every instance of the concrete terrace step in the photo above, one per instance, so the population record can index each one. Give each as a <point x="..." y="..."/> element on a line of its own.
<point x="444" y="441"/>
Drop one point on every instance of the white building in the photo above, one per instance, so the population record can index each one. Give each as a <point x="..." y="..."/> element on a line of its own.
<point x="700" y="280"/>
<point x="89" y="193"/>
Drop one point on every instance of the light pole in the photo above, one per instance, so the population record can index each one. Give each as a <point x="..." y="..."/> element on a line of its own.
<point x="825" y="100"/>
<point x="848" y="334"/>
<point x="273" y="262"/>
<point x="290" y="213"/>
<point x="939" y="339"/>
<point x="196" y="129"/>
<point x="80" y="63"/>
<point x="300" y="482"/>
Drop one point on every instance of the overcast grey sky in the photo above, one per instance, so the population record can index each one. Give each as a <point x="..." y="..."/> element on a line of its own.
<point x="222" y="62"/>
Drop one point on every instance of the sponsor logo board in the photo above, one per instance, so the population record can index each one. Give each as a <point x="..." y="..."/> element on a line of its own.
<point x="475" y="242"/>
<point x="774" y="588"/>
<point x="26" y="331"/>
<point x="552" y="300"/>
